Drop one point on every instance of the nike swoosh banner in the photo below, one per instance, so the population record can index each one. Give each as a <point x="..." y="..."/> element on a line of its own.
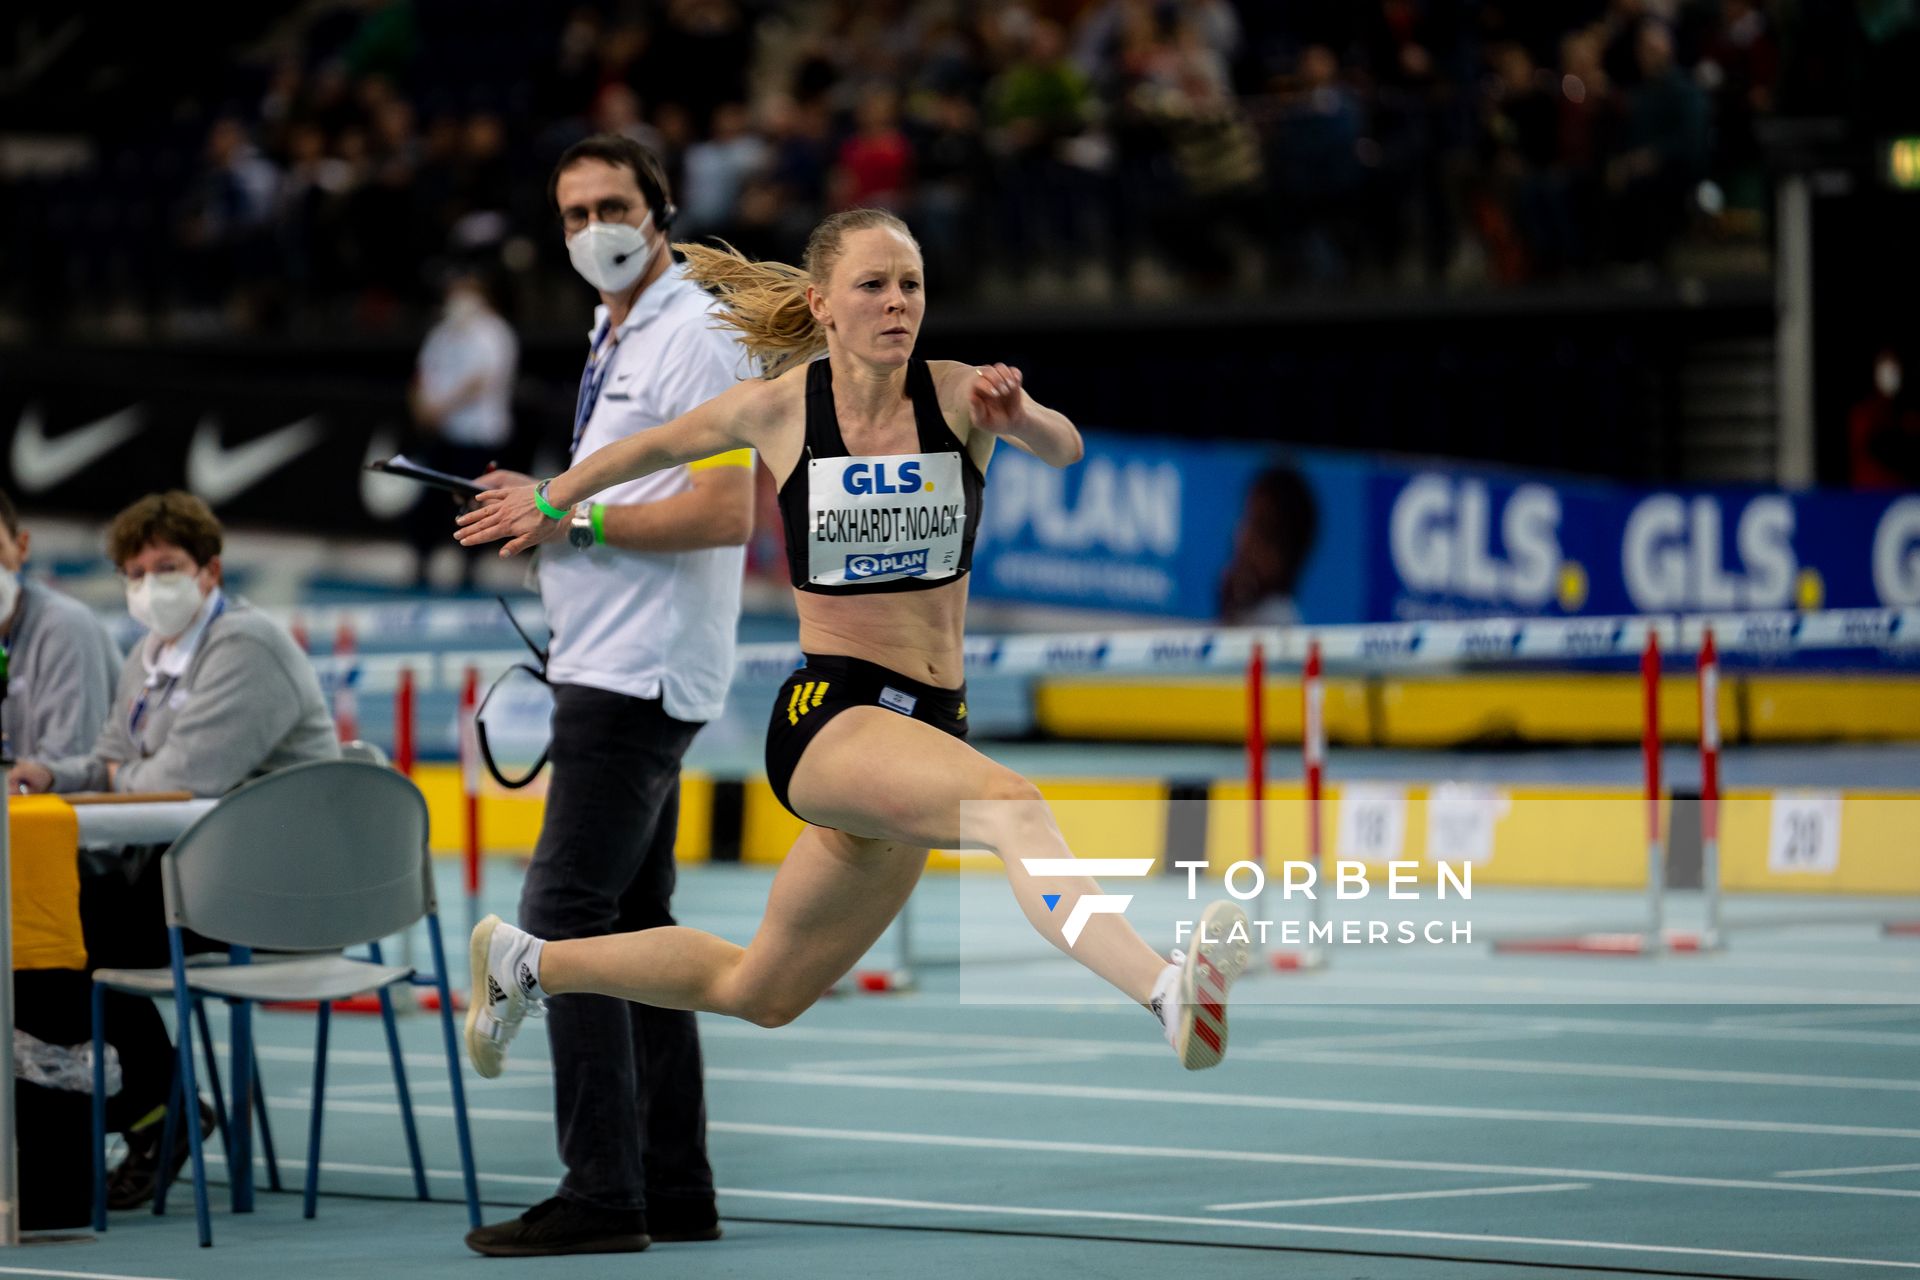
<point x="89" y="435"/>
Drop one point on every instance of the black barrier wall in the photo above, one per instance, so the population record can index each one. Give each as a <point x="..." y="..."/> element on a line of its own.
<point x="278" y="434"/>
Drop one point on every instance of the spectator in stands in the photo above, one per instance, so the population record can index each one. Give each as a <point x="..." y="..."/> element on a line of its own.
<point x="1664" y="140"/>
<point x="462" y="402"/>
<point x="216" y="693"/>
<point x="876" y="162"/>
<point x="717" y="168"/>
<point x="1883" y="430"/>
<point x="1037" y="107"/>
<point x="60" y="660"/>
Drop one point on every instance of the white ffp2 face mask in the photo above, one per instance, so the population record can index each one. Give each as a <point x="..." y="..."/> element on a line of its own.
<point x="1886" y="377"/>
<point x="164" y="603"/>
<point x="9" y="592"/>
<point x="610" y="256"/>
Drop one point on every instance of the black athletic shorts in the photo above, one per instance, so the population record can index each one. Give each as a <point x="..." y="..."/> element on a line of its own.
<point x="826" y="685"/>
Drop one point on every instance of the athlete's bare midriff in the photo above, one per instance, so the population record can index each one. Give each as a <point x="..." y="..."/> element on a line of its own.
<point x="916" y="633"/>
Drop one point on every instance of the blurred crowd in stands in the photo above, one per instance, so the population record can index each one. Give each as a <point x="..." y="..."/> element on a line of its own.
<point x="1043" y="149"/>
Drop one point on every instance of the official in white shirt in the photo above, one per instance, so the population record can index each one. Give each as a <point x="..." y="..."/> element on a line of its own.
<point x="462" y="403"/>
<point x="643" y="600"/>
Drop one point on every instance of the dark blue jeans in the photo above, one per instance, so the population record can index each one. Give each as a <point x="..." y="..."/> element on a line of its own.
<point x="628" y="1096"/>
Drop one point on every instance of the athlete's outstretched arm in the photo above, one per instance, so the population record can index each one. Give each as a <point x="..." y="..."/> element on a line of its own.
<point x="731" y="420"/>
<point x="995" y="402"/>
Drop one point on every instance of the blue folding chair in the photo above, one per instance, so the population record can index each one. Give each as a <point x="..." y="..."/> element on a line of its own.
<point x="310" y="859"/>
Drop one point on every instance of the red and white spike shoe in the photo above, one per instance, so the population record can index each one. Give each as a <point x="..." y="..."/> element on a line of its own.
<point x="1197" y="1024"/>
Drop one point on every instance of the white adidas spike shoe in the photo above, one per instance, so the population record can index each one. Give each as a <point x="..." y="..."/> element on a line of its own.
<point x="499" y="1002"/>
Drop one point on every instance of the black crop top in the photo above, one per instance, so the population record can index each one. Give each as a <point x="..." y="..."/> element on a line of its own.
<point x="895" y="522"/>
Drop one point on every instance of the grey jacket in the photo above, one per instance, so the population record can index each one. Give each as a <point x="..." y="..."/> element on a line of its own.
<point x="248" y="703"/>
<point x="62" y="664"/>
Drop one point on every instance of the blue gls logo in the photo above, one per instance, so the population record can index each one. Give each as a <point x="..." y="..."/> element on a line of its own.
<point x="864" y="477"/>
<point x="912" y="563"/>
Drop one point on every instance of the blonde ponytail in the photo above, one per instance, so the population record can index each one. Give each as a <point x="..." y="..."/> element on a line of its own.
<point x="767" y="301"/>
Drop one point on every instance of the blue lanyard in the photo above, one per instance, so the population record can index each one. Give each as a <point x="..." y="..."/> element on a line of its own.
<point x="139" y="713"/>
<point x="599" y="361"/>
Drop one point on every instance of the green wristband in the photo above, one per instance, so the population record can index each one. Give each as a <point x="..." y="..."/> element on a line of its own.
<point x="596" y="514"/>
<point x="547" y="509"/>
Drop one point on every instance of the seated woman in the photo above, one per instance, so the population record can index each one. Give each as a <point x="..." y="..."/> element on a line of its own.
<point x="216" y="693"/>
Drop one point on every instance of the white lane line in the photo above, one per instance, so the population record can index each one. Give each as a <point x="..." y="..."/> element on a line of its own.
<point x="1137" y="1151"/>
<point x="1794" y="1017"/>
<point x="1268" y="1102"/>
<point x="1053" y="1048"/>
<point x="298" y="1161"/>
<point x="1847" y="1173"/>
<point x="1458" y="1193"/>
<point x="1306" y="1228"/>
<point x="71" y="1275"/>
<point x="1596" y="1070"/>
<point x="1553" y="1025"/>
<point x="1027" y="1057"/>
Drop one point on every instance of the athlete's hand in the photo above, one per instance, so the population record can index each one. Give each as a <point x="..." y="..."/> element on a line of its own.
<point x="995" y="401"/>
<point x="508" y="513"/>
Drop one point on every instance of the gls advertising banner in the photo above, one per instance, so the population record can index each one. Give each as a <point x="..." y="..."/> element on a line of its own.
<point x="1454" y="543"/>
<point x="1170" y="527"/>
<point x="1157" y="526"/>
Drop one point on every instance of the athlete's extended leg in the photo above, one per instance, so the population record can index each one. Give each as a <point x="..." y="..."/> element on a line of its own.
<point x="831" y="900"/>
<point x="880" y="774"/>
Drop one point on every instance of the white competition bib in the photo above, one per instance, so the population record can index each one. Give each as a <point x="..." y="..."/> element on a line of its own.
<point x="883" y="519"/>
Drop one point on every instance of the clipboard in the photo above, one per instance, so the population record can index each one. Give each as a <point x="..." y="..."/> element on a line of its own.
<point x="407" y="469"/>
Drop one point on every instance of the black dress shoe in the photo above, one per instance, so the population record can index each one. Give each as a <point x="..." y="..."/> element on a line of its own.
<point x="559" y="1226"/>
<point x="682" y="1229"/>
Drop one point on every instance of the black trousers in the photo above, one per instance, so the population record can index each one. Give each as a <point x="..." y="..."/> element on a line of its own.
<point x="125" y="927"/>
<point x="628" y="1094"/>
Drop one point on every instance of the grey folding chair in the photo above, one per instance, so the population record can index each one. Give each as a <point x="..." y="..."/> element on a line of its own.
<point x="361" y="749"/>
<point x="314" y="858"/>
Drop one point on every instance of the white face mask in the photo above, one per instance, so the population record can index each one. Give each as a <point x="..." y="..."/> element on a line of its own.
<point x="610" y="256"/>
<point x="164" y="603"/>
<point x="1886" y="376"/>
<point x="9" y="593"/>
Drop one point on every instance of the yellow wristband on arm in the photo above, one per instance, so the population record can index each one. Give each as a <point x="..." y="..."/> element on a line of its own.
<point x="731" y="458"/>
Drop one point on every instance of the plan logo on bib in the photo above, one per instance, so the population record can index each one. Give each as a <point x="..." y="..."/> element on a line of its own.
<point x="912" y="562"/>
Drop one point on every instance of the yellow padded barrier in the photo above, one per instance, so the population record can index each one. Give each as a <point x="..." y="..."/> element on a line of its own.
<point x="1538" y="708"/>
<point x="1191" y="709"/>
<point x="510" y="820"/>
<point x="1788" y="708"/>
<point x="1879" y="846"/>
<point x="1585" y="837"/>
